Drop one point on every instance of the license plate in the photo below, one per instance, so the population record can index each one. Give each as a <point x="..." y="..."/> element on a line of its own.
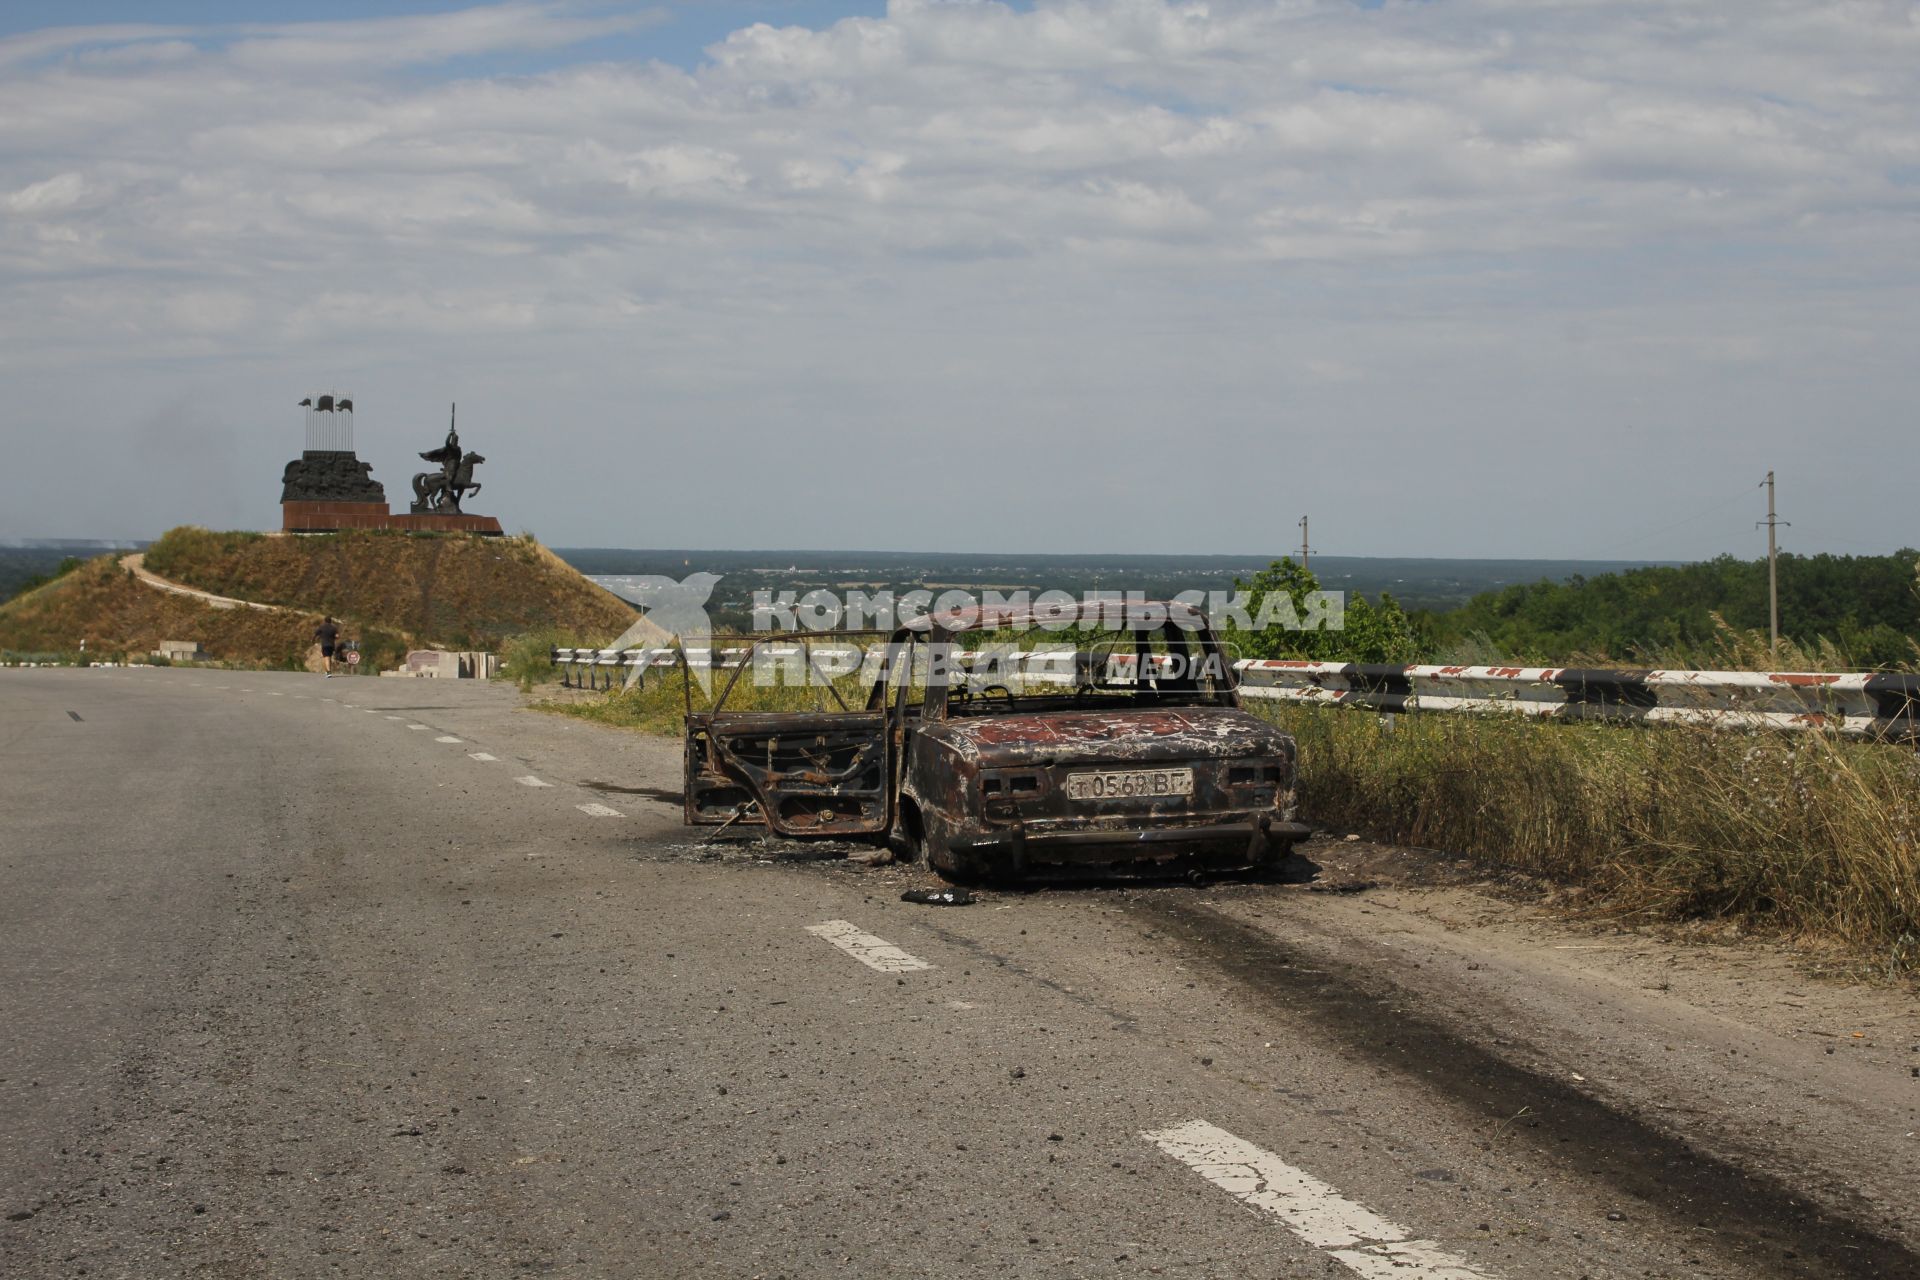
<point x="1123" y="784"/>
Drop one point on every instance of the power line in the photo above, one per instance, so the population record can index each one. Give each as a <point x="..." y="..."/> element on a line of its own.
<point x="1701" y="514"/>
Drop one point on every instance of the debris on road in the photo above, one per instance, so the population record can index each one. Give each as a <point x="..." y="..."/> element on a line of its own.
<point x="1342" y="886"/>
<point x="938" y="897"/>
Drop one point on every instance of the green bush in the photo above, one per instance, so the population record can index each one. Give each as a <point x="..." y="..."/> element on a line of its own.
<point x="1372" y="632"/>
<point x="527" y="659"/>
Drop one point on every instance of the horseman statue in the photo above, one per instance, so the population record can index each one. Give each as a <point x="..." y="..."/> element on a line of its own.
<point x="441" y="491"/>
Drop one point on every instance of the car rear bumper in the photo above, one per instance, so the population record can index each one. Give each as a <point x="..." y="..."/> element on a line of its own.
<point x="1258" y="835"/>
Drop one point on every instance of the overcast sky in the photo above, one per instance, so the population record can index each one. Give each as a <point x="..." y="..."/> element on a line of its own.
<point x="1467" y="277"/>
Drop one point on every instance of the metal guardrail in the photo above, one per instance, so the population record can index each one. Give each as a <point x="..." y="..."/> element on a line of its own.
<point x="1859" y="704"/>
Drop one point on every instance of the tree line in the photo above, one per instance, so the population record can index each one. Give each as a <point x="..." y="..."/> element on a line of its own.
<point x="1850" y="611"/>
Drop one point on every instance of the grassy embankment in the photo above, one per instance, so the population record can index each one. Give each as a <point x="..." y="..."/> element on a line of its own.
<point x="119" y="616"/>
<point x="456" y="590"/>
<point x="392" y="591"/>
<point x="1802" y="835"/>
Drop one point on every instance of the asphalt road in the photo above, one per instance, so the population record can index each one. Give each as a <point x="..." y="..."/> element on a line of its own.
<point x="379" y="978"/>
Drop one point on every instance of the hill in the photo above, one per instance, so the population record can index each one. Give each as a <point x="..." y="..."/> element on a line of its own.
<point x="114" y="613"/>
<point x="392" y="590"/>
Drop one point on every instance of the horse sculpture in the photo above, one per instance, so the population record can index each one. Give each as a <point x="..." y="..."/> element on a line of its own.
<point x="442" y="490"/>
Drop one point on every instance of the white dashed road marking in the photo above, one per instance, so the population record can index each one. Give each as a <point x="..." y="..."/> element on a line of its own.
<point x="481" y="755"/>
<point x="599" y="811"/>
<point x="446" y="737"/>
<point x="416" y="726"/>
<point x="531" y="781"/>
<point x="1367" y="1244"/>
<point x="396" y="717"/>
<point x="875" y="953"/>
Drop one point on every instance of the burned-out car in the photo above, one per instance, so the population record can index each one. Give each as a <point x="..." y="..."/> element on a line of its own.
<point x="1113" y="744"/>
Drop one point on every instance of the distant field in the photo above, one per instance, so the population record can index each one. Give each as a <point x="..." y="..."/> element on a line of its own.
<point x="1437" y="585"/>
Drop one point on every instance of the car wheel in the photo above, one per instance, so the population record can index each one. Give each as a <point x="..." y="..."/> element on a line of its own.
<point x="908" y="839"/>
<point x="959" y="868"/>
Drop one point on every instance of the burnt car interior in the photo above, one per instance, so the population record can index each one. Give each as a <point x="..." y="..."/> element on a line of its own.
<point x="1159" y="666"/>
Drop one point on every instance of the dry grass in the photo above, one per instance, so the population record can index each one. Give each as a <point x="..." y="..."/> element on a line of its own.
<point x="454" y="590"/>
<point x="119" y="616"/>
<point x="1797" y="833"/>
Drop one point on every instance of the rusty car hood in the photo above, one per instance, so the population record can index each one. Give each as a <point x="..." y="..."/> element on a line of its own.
<point x="1198" y="732"/>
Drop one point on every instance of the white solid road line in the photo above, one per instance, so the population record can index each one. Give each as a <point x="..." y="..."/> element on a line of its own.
<point x="599" y="811"/>
<point x="875" y="953"/>
<point x="481" y="755"/>
<point x="446" y="737"/>
<point x="531" y="781"/>
<point x="1363" y="1241"/>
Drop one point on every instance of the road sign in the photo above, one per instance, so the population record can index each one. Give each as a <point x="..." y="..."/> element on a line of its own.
<point x="353" y="657"/>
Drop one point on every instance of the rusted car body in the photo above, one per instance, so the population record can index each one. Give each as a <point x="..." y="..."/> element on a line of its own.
<point x="1136" y="756"/>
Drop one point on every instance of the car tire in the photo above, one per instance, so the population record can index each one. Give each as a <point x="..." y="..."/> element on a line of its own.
<point x="908" y="839"/>
<point x="960" y="869"/>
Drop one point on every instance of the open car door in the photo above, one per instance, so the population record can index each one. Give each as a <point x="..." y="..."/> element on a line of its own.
<point x="800" y="773"/>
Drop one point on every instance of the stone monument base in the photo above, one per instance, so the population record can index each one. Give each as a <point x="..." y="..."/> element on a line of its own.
<point x="331" y="517"/>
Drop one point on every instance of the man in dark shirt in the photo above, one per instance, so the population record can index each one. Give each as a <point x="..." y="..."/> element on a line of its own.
<point x="328" y="634"/>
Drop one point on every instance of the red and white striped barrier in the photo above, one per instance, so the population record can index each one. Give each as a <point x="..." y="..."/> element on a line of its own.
<point x="1858" y="704"/>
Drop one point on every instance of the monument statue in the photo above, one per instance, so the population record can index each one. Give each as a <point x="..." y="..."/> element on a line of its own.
<point x="441" y="491"/>
<point x="329" y="470"/>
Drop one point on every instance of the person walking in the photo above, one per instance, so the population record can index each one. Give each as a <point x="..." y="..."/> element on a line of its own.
<point x="328" y="634"/>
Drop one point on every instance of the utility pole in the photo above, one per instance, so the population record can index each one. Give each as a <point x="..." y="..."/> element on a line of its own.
<point x="1304" y="548"/>
<point x="1773" y="574"/>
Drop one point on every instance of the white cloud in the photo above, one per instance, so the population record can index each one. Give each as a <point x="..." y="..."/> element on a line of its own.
<point x="858" y="216"/>
<point x="62" y="191"/>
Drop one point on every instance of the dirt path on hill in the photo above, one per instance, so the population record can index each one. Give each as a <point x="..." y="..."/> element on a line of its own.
<point x="137" y="565"/>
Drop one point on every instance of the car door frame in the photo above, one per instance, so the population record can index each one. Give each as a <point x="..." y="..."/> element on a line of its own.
<point x="799" y="773"/>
